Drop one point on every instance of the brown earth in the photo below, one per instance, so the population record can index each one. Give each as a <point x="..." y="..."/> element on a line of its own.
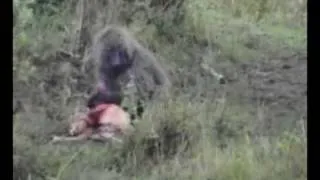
<point x="280" y="84"/>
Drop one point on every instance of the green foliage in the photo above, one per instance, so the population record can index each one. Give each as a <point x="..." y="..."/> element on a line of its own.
<point x="243" y="39"/>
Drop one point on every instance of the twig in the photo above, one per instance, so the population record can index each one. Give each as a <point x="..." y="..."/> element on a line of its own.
<point x="218" y="76"/>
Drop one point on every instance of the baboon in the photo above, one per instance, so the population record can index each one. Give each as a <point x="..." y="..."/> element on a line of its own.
<point x="117" y="53"/>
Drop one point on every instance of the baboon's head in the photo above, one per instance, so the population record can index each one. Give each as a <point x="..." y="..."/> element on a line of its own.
<point x="77" y="124"/>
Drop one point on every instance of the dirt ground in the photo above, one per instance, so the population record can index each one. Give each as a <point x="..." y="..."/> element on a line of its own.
<point x="279" y="84"/>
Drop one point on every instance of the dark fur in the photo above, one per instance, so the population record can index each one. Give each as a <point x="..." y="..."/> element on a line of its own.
<point x="109" y="94"/>
<point x="114" y="62"/>
<point x="115" y="52"/>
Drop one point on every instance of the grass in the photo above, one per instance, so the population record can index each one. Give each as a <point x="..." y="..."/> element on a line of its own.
<point x="204" y="131"/>
<point x="194" y="145"/>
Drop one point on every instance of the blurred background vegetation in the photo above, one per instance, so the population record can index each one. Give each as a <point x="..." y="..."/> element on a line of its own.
<point x="253" y="127"/>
